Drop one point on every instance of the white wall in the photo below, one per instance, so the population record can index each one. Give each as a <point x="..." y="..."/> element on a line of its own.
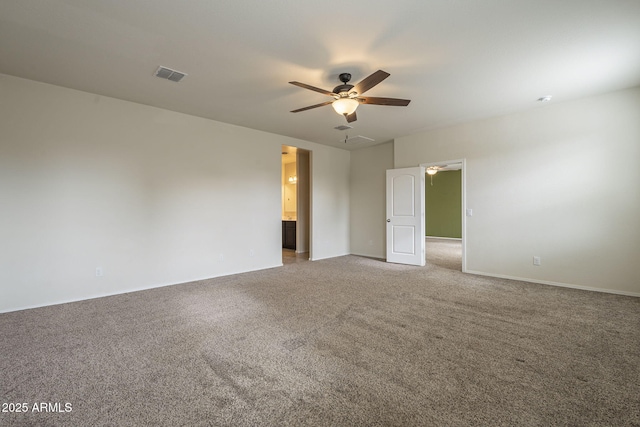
<point x="329" y="203"/>
<point x="368" y="208"/>
<point x="152" y="197"/>
<point x="561" y="182"/>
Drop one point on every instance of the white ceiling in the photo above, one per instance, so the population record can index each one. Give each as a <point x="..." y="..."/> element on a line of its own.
<point x="457" y="60"/>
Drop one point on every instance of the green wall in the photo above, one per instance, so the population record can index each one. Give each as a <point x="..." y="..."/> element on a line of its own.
<point x="443" y="204"/>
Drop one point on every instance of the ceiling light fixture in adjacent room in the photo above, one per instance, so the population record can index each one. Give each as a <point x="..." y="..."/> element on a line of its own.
<point x="432" y="170"/>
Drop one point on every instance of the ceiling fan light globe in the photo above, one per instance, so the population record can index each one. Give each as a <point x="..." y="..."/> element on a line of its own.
<point x="432" y="170"/>
<point x="344" y="106"/>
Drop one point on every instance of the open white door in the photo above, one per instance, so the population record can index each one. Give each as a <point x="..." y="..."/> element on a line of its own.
<point x="405" y="216"/>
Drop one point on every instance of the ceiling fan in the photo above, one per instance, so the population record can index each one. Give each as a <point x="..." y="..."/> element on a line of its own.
<point x="346" y="97"/>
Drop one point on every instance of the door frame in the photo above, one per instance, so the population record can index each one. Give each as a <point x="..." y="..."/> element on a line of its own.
<point x="463" y="180"/>
<point x="303" y="202"/>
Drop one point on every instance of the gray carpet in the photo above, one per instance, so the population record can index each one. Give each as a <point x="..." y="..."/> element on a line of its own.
<point x="339" y="342"/>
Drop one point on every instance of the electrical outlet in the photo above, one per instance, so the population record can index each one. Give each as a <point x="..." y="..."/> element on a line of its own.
<point x="536" y="260"/>
<point x="252" y="252"/>
<point x="99" y="272"/>
<point x="221" y="258"/>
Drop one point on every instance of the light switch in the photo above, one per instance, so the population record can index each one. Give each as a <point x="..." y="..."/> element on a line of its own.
<point x="469" y="212"/>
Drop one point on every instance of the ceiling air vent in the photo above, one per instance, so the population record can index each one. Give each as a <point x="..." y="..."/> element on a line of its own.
<point x="343" y="127"/>
<point x="357" y="139"/>
<point x="169" y="74"/>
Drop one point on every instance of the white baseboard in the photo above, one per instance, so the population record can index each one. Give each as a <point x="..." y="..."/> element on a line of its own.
<point x="134" y="289"/>
<point x="562" y="285"/>
<point x="444" y="238"/>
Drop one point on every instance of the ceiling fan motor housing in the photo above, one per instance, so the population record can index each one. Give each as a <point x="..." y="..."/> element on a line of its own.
<point x="342" y="88"/>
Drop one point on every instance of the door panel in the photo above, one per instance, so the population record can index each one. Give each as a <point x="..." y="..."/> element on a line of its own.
<point x="403" y="200"/>
<point x="405" y="216"/>
<point x="403" y="240"/>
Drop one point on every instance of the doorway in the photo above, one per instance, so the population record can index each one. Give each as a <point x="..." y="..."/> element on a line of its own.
<point x="296" y="204"/>
<point x="446" y="184"/>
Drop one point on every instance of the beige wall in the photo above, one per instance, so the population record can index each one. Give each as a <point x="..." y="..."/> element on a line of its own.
<point x="368" y="189"/>
<point x="561" y="182"/>
<point x="150" y="196"/>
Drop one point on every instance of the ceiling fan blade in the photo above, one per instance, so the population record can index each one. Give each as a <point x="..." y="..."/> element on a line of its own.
<point x="384" y="101"/>
<point x="312" y="106"/>
<point x="316" y="89"/>
<point x="351" y="117"/>
<point x="369" y="82"/>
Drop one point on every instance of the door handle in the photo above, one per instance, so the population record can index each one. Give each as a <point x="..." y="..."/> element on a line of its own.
<point x="388" y="220"/>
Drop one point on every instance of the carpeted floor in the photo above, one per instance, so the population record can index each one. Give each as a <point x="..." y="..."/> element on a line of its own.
<point x="338" y="342"/>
